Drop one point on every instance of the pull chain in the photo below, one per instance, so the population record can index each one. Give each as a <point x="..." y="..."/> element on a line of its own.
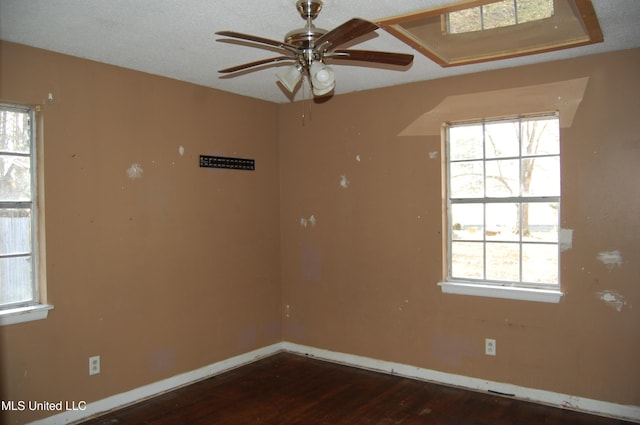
<point x="306" y="105"/>
<point x="303" y="104"/>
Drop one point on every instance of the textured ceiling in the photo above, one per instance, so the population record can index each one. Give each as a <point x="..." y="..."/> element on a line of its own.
<point x="175" y="38"/>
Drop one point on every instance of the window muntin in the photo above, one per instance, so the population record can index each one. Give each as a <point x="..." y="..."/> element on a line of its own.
<point x="18" y="286"/>
<point x="499" y="14"/>
<point x="503" y="193"/>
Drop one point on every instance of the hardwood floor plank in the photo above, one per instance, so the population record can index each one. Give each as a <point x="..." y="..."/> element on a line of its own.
<point x="288" y="389"/>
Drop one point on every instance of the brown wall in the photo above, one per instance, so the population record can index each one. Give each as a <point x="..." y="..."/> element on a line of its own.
<point x="187" y="266"/>
<point x="363" y="279"/>
<point x="159" y="275"/>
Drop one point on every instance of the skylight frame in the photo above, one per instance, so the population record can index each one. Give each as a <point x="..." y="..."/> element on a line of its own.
<point x="426" y="32"/>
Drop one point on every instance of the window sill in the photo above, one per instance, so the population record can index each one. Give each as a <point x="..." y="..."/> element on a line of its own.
<point x="499" y="291"/>
<point x="24" y="314"/>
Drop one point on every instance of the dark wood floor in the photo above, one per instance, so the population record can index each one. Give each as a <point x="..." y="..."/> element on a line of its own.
<point x="288" y="389"/>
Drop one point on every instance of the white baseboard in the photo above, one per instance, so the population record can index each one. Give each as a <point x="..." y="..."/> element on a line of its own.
<point x="602" y="408"/>
<point x="629" y="413"/>
<point x="124" y="399"/>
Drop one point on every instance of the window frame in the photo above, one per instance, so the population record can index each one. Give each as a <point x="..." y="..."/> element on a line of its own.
<point x="542" y="292"/>
<point x="36" y="308"/>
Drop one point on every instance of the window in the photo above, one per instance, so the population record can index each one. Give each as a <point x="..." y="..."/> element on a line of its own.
<point x="503" y="203"/>
<point x="19" y="286"/>
<point x="500" y="14"/>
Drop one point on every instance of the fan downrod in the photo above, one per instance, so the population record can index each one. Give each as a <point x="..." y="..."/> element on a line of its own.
<point x="309" y="8"/>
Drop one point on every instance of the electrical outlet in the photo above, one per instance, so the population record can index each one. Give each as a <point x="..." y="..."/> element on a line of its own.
<point x="94" y="365"/>
<point x="490" y="347"/>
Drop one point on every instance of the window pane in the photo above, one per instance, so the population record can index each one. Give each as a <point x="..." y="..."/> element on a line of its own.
<point x="465" y="21"/>
<point x="503" y="222"/>
<point x="15" y="280"/>
<point x="540" y="136"/>
<point x="15" y="178"/>
<point x="15" y="133"/>
<point x="540" y="263"/>
<point x="467" y="180"/>
<point x="467" y="260"/>
<point x="533" y="10"/>
<point x="504" y="190"/>
<point x="541" y="176"/>
<point x="15" y="231"/>
<point x="501" y="139"/>
<point x="467" y="221"/>
<point x="465" y="142"/>
<point x="540" y="222"/>
<point x="498" y="14"/>
<point x="503" y="262"/>
<point x="503" y="178"/>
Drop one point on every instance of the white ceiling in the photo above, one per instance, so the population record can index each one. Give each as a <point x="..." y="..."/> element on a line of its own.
<point x="175" y="38"/>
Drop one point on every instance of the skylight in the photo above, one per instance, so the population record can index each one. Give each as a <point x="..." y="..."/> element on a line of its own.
<point x="472" y="31"/>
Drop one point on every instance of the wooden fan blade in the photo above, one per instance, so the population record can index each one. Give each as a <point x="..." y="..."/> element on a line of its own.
<point x="256" y="63"/>
<point x="261" y="40"/>
<point x="400" y="59"/>
<point x="344" y="33"/>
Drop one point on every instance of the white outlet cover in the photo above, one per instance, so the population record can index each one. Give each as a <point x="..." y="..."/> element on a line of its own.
<point x="94" y="365"/>
<point x="490" y="347"/>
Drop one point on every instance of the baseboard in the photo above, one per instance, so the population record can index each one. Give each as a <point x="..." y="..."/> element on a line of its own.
<point x="130" y="397"/>
<point x="602" y="408"/>
<point x="596" y="407"/>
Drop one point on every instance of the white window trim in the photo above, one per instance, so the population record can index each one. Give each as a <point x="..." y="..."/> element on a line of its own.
<point x="490" y="289"/>
<point x="24" y="314"/>
<point x="40" y="309"/>
<point x="502" y="291"/>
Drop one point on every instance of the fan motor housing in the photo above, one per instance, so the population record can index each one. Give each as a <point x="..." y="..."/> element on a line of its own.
<point x="304" y="38"/>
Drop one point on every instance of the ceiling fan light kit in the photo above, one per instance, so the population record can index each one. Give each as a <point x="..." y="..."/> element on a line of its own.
<point x="323" y="79"/>
<point x="309" y="47"/>
<point x="290" y="77"/>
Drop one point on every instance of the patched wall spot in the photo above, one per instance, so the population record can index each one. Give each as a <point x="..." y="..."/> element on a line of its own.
<point x="613" y="299"/>
<point x="135" y="171"/>
<point x="610" y="259"/>
<point x="311" y="221"/>
<point x="566" y="239"/>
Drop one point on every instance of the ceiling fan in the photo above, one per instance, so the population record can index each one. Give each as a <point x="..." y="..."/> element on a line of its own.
<point x="309" y="47"/>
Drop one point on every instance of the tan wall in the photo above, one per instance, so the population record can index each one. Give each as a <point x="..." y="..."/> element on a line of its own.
<point x="187" y="266"/>
<point x="363" y="279"/>
<point x="160" y="275"/>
